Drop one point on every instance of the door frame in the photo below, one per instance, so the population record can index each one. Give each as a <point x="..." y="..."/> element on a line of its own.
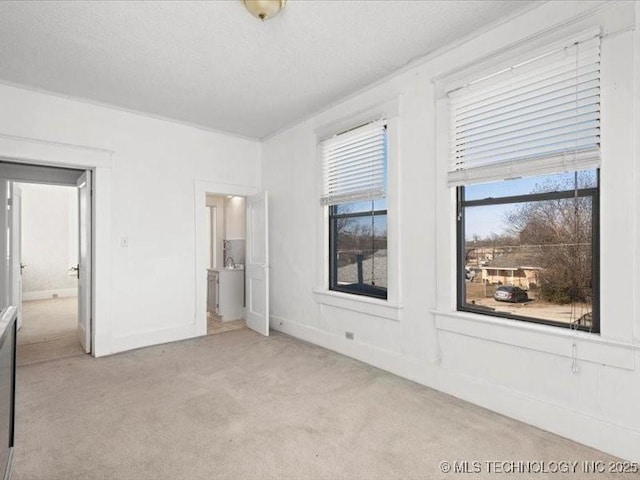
<point x="22" y="173"/>
<point x="15" y="275"/>
<point x="213" y="239"/>
<point x="84" y="188"/>
<point x="44" y="153"/>
<point x="202" y="188"/>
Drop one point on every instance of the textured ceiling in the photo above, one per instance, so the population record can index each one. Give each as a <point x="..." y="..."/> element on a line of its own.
<point x="213" y="64"/>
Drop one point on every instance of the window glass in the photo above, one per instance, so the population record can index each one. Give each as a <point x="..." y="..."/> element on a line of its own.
<point x="533" y="257"/>
<point x="524" y="186"/>
<point x="359" y="250"/>
<point x="361" y="207"/>
<point x="362" y="244"/>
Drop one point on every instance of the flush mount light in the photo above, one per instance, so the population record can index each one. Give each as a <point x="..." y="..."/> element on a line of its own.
<point x="264" y="9"/>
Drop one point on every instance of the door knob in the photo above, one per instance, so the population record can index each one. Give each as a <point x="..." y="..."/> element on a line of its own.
<point x="75" y="268"/>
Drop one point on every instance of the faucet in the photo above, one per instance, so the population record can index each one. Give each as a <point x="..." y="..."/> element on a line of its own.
<point x="230" y="263"/>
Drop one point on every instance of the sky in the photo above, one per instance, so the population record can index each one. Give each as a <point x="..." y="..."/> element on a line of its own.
<point x="485" y="220"/>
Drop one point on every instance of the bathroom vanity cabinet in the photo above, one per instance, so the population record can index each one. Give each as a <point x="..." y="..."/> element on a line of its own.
<point x="225" y="293"/>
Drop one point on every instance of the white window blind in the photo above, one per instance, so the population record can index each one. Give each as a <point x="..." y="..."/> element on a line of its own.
<point x="540" y="116"/>
<point x="354" y="165"/>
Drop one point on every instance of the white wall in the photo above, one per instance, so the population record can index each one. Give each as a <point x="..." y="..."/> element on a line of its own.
<point x="218" y="202"/>
<point x="235" y="225"/>
<point x="145" y="191"/>
<point x="230" y="223"/>
<point x="49" y="240"/>
<point x="519" y="369"/>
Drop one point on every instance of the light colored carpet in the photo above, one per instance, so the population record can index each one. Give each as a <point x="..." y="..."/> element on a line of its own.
<point x="48" y="330"/>
<point x="242" y="406"/>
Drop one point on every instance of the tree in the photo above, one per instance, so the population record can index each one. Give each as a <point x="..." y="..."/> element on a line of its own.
<point x="558" y="234"/>
<point x="492" y="243"/>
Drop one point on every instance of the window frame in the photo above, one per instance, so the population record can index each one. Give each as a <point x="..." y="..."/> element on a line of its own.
<point x="333" y="239"/>
<point x="461" y="204"/>
<point x="330" y="123"/>
<point x="619" y="204"/>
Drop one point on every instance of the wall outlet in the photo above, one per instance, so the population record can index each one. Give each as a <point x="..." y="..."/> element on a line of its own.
<point x="124" y="242"/>
<point x="349" y="335"/>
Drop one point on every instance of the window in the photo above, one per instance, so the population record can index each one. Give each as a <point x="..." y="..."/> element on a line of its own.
<point x="355" y="177"/>
<point x="358" y="248"/>
<point x="525" y="160"/>
<point x="528" y="249"/>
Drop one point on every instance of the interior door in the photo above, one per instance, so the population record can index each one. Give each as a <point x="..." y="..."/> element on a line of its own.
<point x="5" y="267"/>
<point x="257" y="264"/>
<point x="84" y="261"/>
<point x="15" y="242"/>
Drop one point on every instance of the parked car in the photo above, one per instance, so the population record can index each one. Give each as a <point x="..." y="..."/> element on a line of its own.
<point x="508" y="293"/>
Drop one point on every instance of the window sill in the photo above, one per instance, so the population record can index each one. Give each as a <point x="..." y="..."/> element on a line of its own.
<point x="554" y="340"/>
<point x="361" y="304"/>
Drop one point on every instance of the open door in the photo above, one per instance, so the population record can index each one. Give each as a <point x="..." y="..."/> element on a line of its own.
<point x="84" y="259"/>
<point x="15" y="242"/>
<point x="5" y="251"/>
<point x="257" y="264"/>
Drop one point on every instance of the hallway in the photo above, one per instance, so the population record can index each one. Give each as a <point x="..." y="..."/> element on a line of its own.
<point x="48" y="331"/>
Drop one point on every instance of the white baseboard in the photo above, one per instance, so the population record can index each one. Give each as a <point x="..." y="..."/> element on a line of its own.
<point x="45" y="294"/>
<point x="580" y="427"/>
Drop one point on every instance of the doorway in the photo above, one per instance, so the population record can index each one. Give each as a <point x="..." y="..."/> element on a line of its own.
<point x="48" y="263"/>
<point x="226" y="246"/>
<point x="239" y="245"/>
<point x="47" y="217"/>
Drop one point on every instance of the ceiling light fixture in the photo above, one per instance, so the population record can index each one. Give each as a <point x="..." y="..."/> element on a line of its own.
<point x="264" y="9"/>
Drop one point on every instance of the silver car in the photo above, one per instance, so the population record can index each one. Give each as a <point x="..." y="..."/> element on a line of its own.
<point x="508" y="293"/>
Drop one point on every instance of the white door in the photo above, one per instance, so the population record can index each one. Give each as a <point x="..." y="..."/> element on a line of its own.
<point x="84" y="261"/>
<point x="5" y="251"/>
<point x="257" y="264"/>
<point x="15" y="242"/>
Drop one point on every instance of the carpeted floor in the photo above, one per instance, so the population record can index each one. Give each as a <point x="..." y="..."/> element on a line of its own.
<point x="242" y="406"/>
<point x="48" y="330"/>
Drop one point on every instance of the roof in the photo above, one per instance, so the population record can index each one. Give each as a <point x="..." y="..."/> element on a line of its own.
<point x="373" y="268"/>
<point x="524" y="257"/>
